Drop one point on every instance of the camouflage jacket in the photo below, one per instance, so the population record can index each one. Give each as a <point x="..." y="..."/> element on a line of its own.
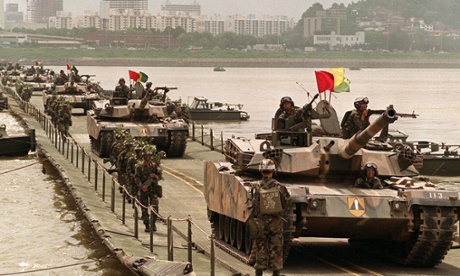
<point x="363" y="182"/>
<point x="143" y="171"/>
<point x="291" y="118"/>
<point x="122" y="91"/>
<point x="268" y="183"/>
<point x="354" y="124"/>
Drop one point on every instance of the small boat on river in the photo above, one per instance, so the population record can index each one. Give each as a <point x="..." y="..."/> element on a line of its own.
<point x="439" y="159"/>
<point x="17" y="145"/>
<point x="219" y="69"/>
<point x="201" y="109"/>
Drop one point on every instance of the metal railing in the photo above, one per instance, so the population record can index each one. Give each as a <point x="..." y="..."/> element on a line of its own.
<point x="100" y="177"/>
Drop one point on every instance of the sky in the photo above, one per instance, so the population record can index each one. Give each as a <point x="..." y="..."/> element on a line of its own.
<point x="291" y="8"/>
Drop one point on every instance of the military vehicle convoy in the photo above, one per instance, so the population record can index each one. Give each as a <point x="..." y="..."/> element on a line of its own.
<point x="410" y="220"/>
<point x="144" y="119"/>
<point x="78" y="94"/>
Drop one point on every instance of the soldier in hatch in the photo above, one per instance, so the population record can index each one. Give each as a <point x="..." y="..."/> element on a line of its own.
<point x="122" y="90"/>
<point x="356" y="120"/>
<point x="268" y="243"/>
<point x="287" y="114"/>
<point x="368" y="178"/>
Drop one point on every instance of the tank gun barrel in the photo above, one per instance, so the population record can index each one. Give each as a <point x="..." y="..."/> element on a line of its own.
<point x="360" y="139"/>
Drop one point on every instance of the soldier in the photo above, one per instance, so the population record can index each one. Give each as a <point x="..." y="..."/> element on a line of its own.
<point x="62" y="78"/>
<point x="122" y="90"/>
<point x="64" y="119"/>
<point x="147" y="175"/>
<point x="356" y="120"/>
<point x="368" y="178"/>
<point x="287" y="114"/>
<point x="149" y="92"/>
<point x="270" y="200"/>
<point x="122" y="163"/>
<point x="133" y="160"/>
<point x="26" y="94"/>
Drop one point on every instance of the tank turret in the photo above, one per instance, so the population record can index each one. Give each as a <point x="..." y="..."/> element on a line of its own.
<point x="319" y="170"/>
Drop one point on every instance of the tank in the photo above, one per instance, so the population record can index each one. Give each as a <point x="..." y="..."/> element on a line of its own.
<point x="78" y="94"/>
<point x="410" y="220"/>
<point x="144" y="119"/>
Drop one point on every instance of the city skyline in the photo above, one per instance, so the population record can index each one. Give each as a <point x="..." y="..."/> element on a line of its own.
<point x="291" y="8"/>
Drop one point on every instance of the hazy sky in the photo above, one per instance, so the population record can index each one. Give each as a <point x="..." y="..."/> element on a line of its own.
<point x="291" y="8"/>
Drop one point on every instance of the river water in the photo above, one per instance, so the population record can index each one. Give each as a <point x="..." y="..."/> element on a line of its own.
<point x="41" y="227"/>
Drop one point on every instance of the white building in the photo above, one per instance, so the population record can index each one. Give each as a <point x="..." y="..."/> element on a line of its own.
<point x="334" y="40"/>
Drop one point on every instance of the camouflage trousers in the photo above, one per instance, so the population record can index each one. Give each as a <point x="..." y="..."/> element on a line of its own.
<point x="268" y="250"/>
<point x="146" y="199"/>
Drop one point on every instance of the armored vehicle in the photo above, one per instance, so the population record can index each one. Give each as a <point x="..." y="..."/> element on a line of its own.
<point x="79" y="94"/>
<point x="410" y="220"/>
<point x="142" y="118"/>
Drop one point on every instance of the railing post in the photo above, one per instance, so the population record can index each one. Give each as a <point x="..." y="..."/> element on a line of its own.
<point x="202" y="135"/>
<point x="71" y="154"/>
<point x="96" y="174"/>
<point x="213" y="255"/>
<point x="221" y="142"/>
<point x="170" y="241"/>
<point x="89" y="168"/>
<point x="193" y="131"/>
<point x="83" y="160"/>
<point x="103" y="186"/>
<point x="112" y="202"/>
<point x="68" y="145"/>
<point x="123" y="207"/>
<point x="136" y="220"/>
<point x="211" y="136"/>
<point x="77" y="156"/>
<point x="152" y="221"/>
<point x="189" y="237"/>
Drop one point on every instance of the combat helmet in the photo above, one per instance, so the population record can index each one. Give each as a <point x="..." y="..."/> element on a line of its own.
<point x="370" y="165"/>
<point x="286" y="99"/>
<point x="359" y="101"/>
<point x="267" y="165"/>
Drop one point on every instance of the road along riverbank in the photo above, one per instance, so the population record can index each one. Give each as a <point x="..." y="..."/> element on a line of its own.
<point x="255" y="62"/>
<point x="172" y="249"/>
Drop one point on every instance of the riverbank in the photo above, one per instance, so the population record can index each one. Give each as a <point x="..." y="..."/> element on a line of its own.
<point x="258" y="62"/>
<point x="212" y="58"/>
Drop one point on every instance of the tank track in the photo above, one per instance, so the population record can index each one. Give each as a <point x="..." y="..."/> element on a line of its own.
<point x="431" y="241"/>
<point x="102" y="146"/>
<point x="177" y="144"/>
<point x="431" y="238"/>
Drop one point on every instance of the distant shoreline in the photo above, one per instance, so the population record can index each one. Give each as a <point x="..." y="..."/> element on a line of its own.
<point x="258" y="62"/>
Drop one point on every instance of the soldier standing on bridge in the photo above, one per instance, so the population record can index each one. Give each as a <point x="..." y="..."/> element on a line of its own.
<point x="133" y="160"/>
<point x="270" y="201"/>
<point x="64" y="119"/>
<point x="147" y="175"/>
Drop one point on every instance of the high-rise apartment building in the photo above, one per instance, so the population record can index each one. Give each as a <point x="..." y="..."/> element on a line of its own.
<point x="173" y="9"/>
<point x="2" y="15"/>
<point x="39" y="11"/>
<point x="137" y="5"/>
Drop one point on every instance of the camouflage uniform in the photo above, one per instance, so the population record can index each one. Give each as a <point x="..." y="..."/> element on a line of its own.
<point x="64" y="119"/>
<point x="290" y="118"/>
<point x="364" y="182"/>
<point x="122" y="90"/>
<point x="122" y="164"/>
<point x="268" y="250"/>
<point x="147" y="175"/>
<point x="133" y="160"/>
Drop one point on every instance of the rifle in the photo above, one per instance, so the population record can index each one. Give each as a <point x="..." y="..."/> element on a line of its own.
<point x="402" y="115"/>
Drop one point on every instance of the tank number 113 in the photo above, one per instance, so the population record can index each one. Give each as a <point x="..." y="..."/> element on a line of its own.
<point x="435" y="195"/>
